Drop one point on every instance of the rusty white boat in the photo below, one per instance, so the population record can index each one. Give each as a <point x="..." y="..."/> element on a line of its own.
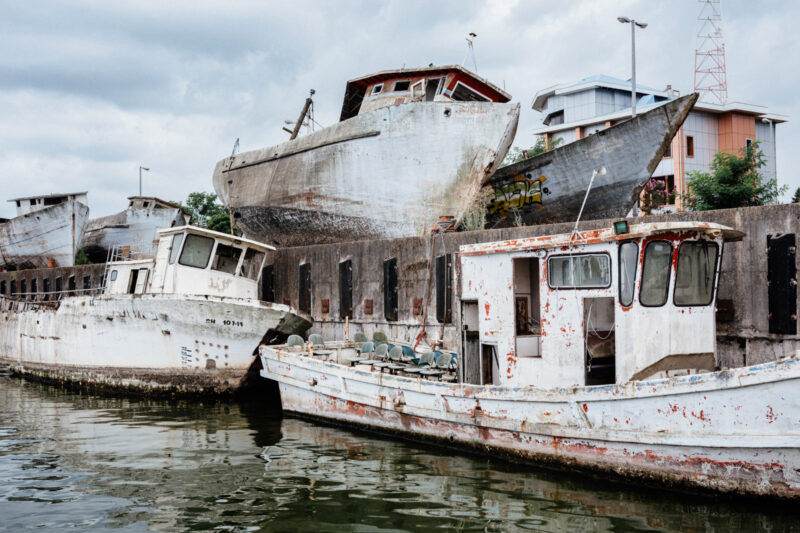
<point x="137" y="225"/>
<point x="47" y="231"/>
<point x="188" y="320"/>
<point x="592" y="350"/>
<point x="411" y="145"/>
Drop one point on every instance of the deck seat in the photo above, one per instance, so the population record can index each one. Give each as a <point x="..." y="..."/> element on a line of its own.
<point x="379" y="336"/>
<point x="439" y="367"/>
<point x="316" y="339"/>
<point x="425" y="361"/>
<point x="295" y="343"/>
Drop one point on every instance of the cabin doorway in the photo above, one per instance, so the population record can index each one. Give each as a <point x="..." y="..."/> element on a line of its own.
<point x="470" y="342"/>
<point x="132" y="281"/>
<point x="527" y="325"/>
<point x="598" y="320"/>
<point x="490" y="365"/>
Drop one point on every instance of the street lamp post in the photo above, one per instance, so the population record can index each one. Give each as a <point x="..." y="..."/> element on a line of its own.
<point x="140" y="177"/>
<point x="643" y="25"/>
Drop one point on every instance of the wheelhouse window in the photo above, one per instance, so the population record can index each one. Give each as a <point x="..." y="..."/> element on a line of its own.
<point x="252" y="263"/>
<point x="196" y="251"/>
<point x="401" y="85"/>
<point x="226" y="258"/>
<point x="175" y="248"/>
<point x="655" y="273"/>
<point x="628" y="259"/>
<point x="585" y="271"/>
<point x="697" y="266"/>
<point x="378" y="88"/>
<point x="113" y="275"/>
<point x="466" y="94"/>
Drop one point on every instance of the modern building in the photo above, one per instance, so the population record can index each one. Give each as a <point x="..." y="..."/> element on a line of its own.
<point x="573" y="111"/>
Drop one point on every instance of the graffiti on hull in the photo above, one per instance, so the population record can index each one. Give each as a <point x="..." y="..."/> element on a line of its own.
<point x="520" y="191"/>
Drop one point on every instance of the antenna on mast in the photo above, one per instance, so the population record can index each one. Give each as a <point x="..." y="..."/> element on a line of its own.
<point x="235" y="147"/>
<point x="470" y="51"/>
<point x="710" y="76"/>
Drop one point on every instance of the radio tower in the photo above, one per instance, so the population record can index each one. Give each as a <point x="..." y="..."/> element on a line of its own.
<point x="710" y="77"/>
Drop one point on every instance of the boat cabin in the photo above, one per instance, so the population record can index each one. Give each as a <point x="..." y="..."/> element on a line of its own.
<point x="29" y="204"/>
<point x="151" y="203"/>
<point x="430" y="84"/>
<point x="191" y="260"/>
<point x="592" y="308"/>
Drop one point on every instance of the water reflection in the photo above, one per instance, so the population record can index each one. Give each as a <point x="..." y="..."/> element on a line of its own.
<point x="74" y="460"/>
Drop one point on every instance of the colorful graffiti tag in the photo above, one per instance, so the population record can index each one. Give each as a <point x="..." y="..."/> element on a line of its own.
<point x="516" y="194"/>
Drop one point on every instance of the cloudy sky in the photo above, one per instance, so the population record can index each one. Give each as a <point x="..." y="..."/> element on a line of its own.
<point x="91" y="90"/>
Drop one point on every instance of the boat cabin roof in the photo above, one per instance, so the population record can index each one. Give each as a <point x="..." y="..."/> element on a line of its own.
<point x="157" y="202"/>
<point x="632" y="231"/>
<point x="232" y="239"/>
<point x="356" y="88"/>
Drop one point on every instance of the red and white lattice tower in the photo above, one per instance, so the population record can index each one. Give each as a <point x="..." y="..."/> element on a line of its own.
<point x="710" y="77"/>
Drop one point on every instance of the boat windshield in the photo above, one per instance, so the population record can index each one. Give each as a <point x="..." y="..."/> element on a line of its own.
<point x="196" y="251"/>
<point x="252" y="263"/>
<point x="226" y="258"/>
<point x="697" y="265"/>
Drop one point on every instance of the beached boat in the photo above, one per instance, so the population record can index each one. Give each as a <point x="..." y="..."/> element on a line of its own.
<point x="136" y="226"/>
<point x="188" y="319"/>
<point x="549" y="188"/>
<point x="47" y="231"/>
<point x="592" y="350"/>
<point x="411" y="145"/>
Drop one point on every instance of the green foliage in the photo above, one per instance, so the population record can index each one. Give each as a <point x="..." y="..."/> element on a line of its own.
<point x="515" y="155"/>
<point x="81" y="258"/>
<point x="207" y="212"/>
<point x="734" y="181"/>
<point x="796" y="197"/>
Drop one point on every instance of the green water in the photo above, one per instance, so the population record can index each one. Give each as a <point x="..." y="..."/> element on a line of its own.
<point x="79" y="461"/>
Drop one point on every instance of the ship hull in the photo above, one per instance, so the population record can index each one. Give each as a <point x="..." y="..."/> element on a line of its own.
<point x="148" y="341"/>
<point x="134" y="227"/>
<point x="550" y="188"/>
<point x="731" y="431"/>
<point x="48" y="237"/>
<point x="390" y="172"/>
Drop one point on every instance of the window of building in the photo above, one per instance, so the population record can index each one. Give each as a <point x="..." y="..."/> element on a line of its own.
<point x="444" y="288"/>
<point x="585" y="271"/>
<point x="253" y="259"/>
<point x="689" y="146"/>
<point x="196" y="251"/>
<point x="748" y="143"/>
<point x="304" y="287"/>
<point x="694" y="279"/>
<point x="628" y="260"/>
<point x="655" y="273"/>
<point x="401" y="85"/>
<point x="346" y="289"/>
<point x="390" y="300"/>
<point x="226" y="258"/>
<point x="268" y="283"/>
<point x="467" y="94"/>
<point x="175" y="248"/>
<point x="378" y="88"/>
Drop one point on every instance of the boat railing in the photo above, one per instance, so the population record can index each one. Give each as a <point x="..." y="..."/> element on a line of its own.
<point x="129" y="252"/>
<point x="9" y="302"/>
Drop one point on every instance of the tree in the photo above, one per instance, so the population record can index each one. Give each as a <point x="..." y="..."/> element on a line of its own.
<point x="734" y="181"/>
<point x="515" y="155"/>
<point x="207" y="212"/>
<point x="796" y="197"/>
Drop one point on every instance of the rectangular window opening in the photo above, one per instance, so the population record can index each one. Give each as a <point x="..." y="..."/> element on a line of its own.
<point x="251" y="265"/>
<point x="378" y="88"/>
<point x="655" y="274"/>
<point x="401" y="85"/>
<point x="268" y="283"/>
<point x="628" y="263"/>
<point x="467" y="94"/>
<point x="583" y="271"/>
<point x="696" y="273"/>
<point x="196" y="251"/>
<point x="58" y="288"/>
<point x="689" y="146"/>
<point x="46" y="289"/>
<point x="444" y="288"/>
<point x="346" y="289"/>
<point x="175" y="248"/>
<point x="226" y="258"/>
<point x="304" y="287"/>
<point x="390" y="295"/>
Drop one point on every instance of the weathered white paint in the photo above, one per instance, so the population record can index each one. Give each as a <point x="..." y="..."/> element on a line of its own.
<point x="732" y="431"/>
<point x="137" y="225"/>
<point x="50" y="234"/>
<point x="31" y="204"/>
<point x="389" y="172"/>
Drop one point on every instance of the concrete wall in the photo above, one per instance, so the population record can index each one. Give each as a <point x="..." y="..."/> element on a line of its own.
<point x="742" y="341"/>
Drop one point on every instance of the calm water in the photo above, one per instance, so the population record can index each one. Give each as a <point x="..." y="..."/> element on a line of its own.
<point x="72" y="460"/>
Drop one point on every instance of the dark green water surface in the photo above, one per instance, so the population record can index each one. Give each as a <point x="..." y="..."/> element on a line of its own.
<point x="79" y="461"/>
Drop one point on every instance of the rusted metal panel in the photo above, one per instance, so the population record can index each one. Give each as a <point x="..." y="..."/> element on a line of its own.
<point x="730" y="431"/>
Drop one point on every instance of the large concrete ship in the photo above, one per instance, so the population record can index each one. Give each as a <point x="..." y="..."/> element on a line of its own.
<point x="411" y="145"/>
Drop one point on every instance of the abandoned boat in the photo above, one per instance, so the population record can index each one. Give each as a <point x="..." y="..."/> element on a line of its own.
<point x="411" y="145"/>
<point x="593" y="350"/>
<point x="550" y="187"/>
<point x="136" y="226"/>
<point x="187" y="320"/>
<point x="47" y="231"/>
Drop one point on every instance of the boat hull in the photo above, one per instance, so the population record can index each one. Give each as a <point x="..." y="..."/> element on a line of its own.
<point x="134" y="227"/>
<point x="47" y="237"/>
<point x="186" y="340"/>
<point x="390" y="172"/>
<point x="550" y="188"/>
<point x="731" y="431"/>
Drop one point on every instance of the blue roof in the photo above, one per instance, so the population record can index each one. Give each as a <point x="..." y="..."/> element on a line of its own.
<point x="602" y="78"/>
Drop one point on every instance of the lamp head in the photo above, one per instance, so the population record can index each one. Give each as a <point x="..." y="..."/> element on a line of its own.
<point x="623" y="20"/>
<point x="642" y="25"/>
